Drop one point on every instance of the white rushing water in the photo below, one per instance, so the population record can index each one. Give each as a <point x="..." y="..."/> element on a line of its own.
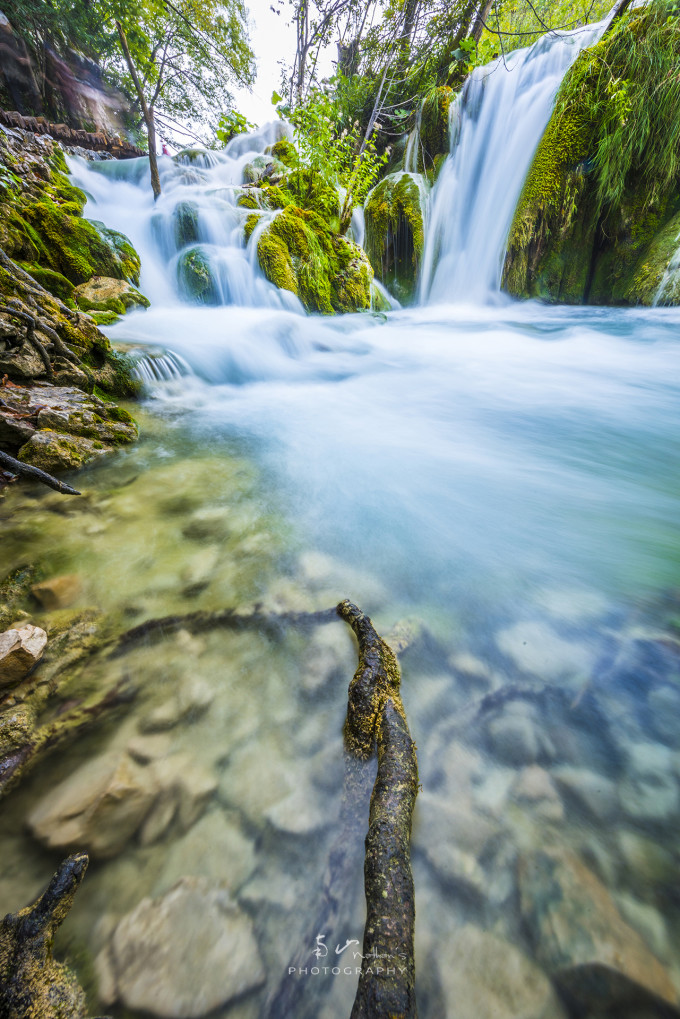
<point x="521" y="440"/>
<point x="496" y="125"/>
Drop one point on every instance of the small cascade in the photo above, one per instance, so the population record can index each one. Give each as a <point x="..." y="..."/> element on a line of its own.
<point x="668" y="292"/>
<point x="413" y="144"/>
<point x="191" y="241"/>
<point x="495" y="126"/>
<point x="155" y="365"/>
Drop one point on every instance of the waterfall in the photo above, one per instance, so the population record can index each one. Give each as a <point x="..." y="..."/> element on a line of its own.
<point x="495" y="127"/>
<point x="667" y="290"/>
<point x="191" y="241"/>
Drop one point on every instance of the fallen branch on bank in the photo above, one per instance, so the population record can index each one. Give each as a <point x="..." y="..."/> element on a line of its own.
<point x="35" y="474"/>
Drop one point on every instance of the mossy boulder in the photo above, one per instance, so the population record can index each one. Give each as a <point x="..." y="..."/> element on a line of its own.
<point x="185" y="224"/>
<point x="566" y="242"/>
<point x="395" y="231"/>
<point x="103" y="294"/>
<point x="298" y="252"/>
<point x="195" y="277"/>
<point x="655" y="267"/>
<point x="41" y="222"/>
<point x="285" y="151"/>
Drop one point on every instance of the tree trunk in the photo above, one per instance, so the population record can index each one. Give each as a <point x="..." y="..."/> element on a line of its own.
<point x="480" y="20"/>
<point x="147" y="112"/>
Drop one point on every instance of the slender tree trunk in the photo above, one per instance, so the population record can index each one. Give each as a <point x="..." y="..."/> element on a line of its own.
<point x="480" y="20"/>
<point x="147" y="112"/>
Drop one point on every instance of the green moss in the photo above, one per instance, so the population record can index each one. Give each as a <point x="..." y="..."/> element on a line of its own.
<point x="434" y="124"/>
<point x="50" y="280"/>
<point x="570" y="240"/>
<point x="285" y="151"/>
<point x="395" y="232"/>
<point x="104" y="318"/>
<point x="298" y="252"/>
<point x="250" y="225"/>
<point x="248" y="200"/>
<point x="195" y="277"/>
<point x="649" y="270"/>
<point x="276" y="263"/>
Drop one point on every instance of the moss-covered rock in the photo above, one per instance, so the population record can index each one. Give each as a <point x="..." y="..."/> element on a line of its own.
<point x="298" y="252"/>
<point x="185" y="223"/>
<point x="285" y="151"/>
<point x="108" y="295"/>
<point x="567" y="242"/>
<point x="395" y="231"/>
<point x="41" y="222"/>
<point x="195" y="278"/>
<point x="653" y="277"/>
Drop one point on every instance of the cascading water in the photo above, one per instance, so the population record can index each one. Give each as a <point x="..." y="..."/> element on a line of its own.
<point x="496" y="125"/>
<point x="504" y="473"/>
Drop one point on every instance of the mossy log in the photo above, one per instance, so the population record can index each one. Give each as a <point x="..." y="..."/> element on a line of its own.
<point x="376" y="719"/>
<point x="32" y="984"/>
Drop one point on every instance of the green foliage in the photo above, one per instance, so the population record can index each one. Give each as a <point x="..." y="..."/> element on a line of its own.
<point x="231" y="124"/>
<point x="629" y="87"/>
<point x="333" y="149"/>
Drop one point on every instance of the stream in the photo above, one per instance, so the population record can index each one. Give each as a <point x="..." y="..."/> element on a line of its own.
<point x="499" y="480"/>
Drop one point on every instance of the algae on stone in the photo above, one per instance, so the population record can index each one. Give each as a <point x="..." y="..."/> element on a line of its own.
<point x="395" y="231"/>
<point x="297" y="251"/>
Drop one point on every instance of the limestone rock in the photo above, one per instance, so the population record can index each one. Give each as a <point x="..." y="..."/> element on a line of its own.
<point x="536" y="648"/>
<point x="184" y="788"/>
<point x="20" y="650"/>
<point x="52" y="451"/>
<point x="330" y="657"/>
<point x="664" y="706"/>
<point x="183" y="955"/>
<point x="648" y="864"/>
<point x="649" y="791"/>
<point x="99" y="807"/>
<point x="103" y="293"/>
<point x="256" y="777"/>
<point x="516" y="735"/>
<point x="535" y="787"/>
<point x="483" y="977"/>
<point x="214" y="848"/>
<point x="581" y="938"/>
<point x="594" y="793"/>
<point x="438" y="822"/>
<point x="59" y="592"/>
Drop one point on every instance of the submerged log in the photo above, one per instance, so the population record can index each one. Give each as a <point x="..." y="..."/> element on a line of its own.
<point x="375" y="716"/>
<point x="375" y="720"/>
<point x="32" y="983"/>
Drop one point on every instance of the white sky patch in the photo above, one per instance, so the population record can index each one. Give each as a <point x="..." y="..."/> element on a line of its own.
<point x="272" y="38"/>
